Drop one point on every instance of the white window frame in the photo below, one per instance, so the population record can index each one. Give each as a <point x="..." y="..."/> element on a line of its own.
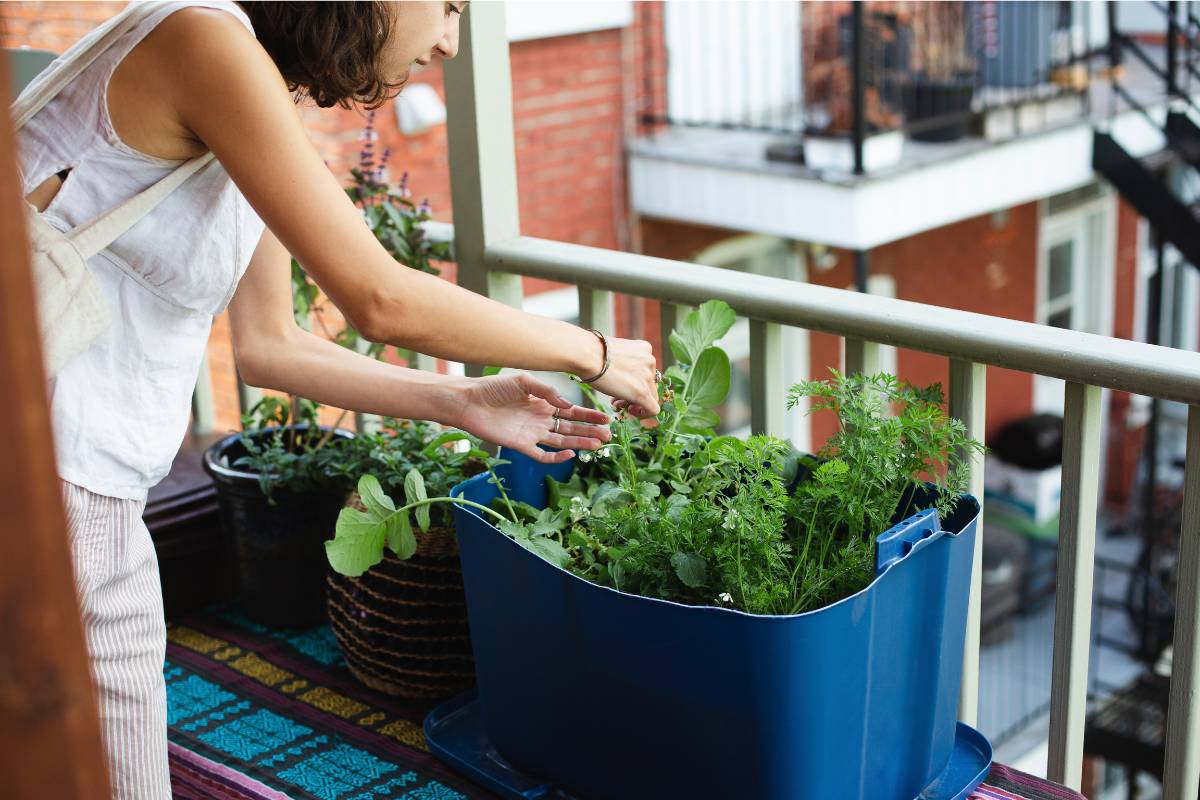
<point x="1092" y="226"/>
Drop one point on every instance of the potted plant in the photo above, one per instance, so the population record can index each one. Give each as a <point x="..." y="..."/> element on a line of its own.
<point x="684" y="599"/>
<point x="402" y="624"/>
<point x="942" y="81"/>
<point x="279" y="491"/>
<point x="283" y="480"/>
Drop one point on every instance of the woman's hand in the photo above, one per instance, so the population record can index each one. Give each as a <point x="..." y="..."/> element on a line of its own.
<point x="520" y="412"/>
<point x="632" y="379"/>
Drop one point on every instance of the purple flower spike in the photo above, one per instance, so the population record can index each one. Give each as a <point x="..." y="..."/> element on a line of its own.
<point x="424" y="208"/>
<point x="402" y="187"/>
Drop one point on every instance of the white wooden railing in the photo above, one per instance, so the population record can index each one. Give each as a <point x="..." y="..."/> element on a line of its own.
<point x="491" y="255"/>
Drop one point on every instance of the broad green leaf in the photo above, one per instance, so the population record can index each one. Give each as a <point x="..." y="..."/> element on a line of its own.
<point x="701" y="329"/>
<point x="446" y="438"/>
<point x="400" y="536"/>
<point x="548" y="522"/>
<point x="690" y="568"/>
<point x="354" y="553"/>
<point x="414" y="492"/>
<point x="548" y="549"/>
<point x="352" y="522"/>
<point x="378" y="504"/>
<point x="708" y="384"/>
<point x="648" y="490"/>
<point x="699" y="420"/>
<point x="679" y="347"/>
<point x="514" y="529"/>
<point x="680" y="488"/>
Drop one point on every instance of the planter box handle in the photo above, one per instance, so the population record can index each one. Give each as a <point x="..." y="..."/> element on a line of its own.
<point x="894" y="544"/>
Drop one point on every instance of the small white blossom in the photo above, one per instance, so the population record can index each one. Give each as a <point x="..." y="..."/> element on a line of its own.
<point x="725" y="597"/>
<point x="585" y="456"/>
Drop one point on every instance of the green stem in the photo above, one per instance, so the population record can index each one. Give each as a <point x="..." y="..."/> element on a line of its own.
<point x="431" y="500"/>
<point x="512" y="512"/>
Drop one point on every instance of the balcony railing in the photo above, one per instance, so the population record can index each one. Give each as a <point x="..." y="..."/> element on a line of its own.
<point x="855" y="69"/>
<point x="492" y="254"/>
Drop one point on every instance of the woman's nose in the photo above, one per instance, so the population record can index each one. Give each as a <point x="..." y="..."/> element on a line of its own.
<point x="448" y="46"/>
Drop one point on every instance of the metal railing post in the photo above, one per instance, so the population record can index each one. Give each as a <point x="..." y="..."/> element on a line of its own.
<point x="1181" y="773"/>
<point x="483" y="161"/>
<point x="766" y="379"/>
<point x="1073" y="604"/>
<point x="968" y="403"/>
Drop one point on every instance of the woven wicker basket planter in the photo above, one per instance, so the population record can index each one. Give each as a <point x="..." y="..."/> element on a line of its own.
<point x="402" y="625"/>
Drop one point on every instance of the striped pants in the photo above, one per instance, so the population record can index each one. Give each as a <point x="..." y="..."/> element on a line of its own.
<point x="116" y="579"/>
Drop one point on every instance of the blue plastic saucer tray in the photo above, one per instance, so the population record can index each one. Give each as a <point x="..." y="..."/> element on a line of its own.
<point x="610" y="696"/>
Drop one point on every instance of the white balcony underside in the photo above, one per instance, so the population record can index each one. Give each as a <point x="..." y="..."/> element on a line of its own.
<point x="722" y="178"/>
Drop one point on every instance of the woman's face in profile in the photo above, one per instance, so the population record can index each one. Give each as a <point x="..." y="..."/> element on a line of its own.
<point x="422" y="30"/>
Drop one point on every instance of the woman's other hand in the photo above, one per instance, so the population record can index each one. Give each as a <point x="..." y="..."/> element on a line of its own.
<point x="631" y="378"/>
<point x="520" y="412"/>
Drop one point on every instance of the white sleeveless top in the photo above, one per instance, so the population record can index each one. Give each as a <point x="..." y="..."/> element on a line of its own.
<point x="120" y="409"/>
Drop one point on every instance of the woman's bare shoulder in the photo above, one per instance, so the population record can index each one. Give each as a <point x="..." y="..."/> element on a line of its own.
<point x="172" y="75"/>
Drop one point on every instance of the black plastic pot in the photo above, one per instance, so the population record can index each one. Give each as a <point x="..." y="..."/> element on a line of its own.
<point x="275" y="550"/>
<point x="928" y="100"/>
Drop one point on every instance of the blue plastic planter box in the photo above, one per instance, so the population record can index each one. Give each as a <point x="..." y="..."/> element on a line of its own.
<point x="618" y="697"/>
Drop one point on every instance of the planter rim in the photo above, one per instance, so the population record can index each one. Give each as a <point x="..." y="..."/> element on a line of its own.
<point x="213" y="466"/>
<point x="687" y="608"/>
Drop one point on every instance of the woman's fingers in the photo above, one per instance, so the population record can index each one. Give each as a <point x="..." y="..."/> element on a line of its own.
<point x="543" y="390"/>
<point x="545" y="456"/>
<point x="581" y="414"/>
<point x="571" y="442"/>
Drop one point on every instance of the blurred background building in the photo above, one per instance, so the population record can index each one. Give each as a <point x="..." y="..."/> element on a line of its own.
<point x="1033" y="160"/>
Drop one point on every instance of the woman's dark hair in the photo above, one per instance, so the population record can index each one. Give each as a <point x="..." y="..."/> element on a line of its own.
<point x="329" y="51"/>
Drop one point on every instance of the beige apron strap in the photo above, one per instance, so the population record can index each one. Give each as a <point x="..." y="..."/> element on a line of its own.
<point x="65" y="68"/>
<point x="92" y="237"/>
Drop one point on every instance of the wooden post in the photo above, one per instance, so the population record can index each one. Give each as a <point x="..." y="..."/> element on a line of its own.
<point x="49" y="732"/>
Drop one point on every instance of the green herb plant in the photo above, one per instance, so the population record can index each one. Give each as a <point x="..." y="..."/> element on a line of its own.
<point x="671" y="510"/>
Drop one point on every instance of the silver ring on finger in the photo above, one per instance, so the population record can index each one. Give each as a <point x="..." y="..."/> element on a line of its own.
<point x="557" y="422"/>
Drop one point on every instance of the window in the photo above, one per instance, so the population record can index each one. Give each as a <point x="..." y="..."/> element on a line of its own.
<point x="1074" y="273"/>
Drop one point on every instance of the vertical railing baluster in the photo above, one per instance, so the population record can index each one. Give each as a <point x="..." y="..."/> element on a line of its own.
<point x="669" y="317"/>
<point x="1182" y="771"/>
<point x="204" y="418"/>
<point x="968" y="392"/>
<point x="483" y="165"/>
<point x="596" y="310"/>
<point x="1073" y="592"/>
<point x="248" y="396"/>
<point x="862" y="357"/>
<point x="766" y="378"/>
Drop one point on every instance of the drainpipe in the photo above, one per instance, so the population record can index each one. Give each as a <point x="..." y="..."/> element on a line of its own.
<point x="1150" y="485"/>
<point x="862" y="269"/>
<point x="856" y="68"/>
<point x="1172" y="48"/>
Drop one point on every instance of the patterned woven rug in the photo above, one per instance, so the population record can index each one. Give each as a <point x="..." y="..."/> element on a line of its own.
<point x="265" y="715"/>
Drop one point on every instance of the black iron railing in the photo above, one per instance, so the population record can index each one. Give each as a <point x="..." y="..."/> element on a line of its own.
<point x="927" y="69"/>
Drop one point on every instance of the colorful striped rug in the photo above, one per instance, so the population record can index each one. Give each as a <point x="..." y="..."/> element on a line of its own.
<point x="255" y="714"/>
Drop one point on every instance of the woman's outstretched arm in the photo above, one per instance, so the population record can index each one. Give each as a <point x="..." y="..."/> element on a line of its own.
<point x="516" y="411"/>
<point x="229" y="95"/>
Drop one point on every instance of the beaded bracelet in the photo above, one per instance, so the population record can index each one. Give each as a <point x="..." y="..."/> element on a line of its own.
<point x="607" y="360"/>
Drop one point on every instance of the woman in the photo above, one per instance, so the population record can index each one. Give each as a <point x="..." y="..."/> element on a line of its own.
<point x="196" y="77"/>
